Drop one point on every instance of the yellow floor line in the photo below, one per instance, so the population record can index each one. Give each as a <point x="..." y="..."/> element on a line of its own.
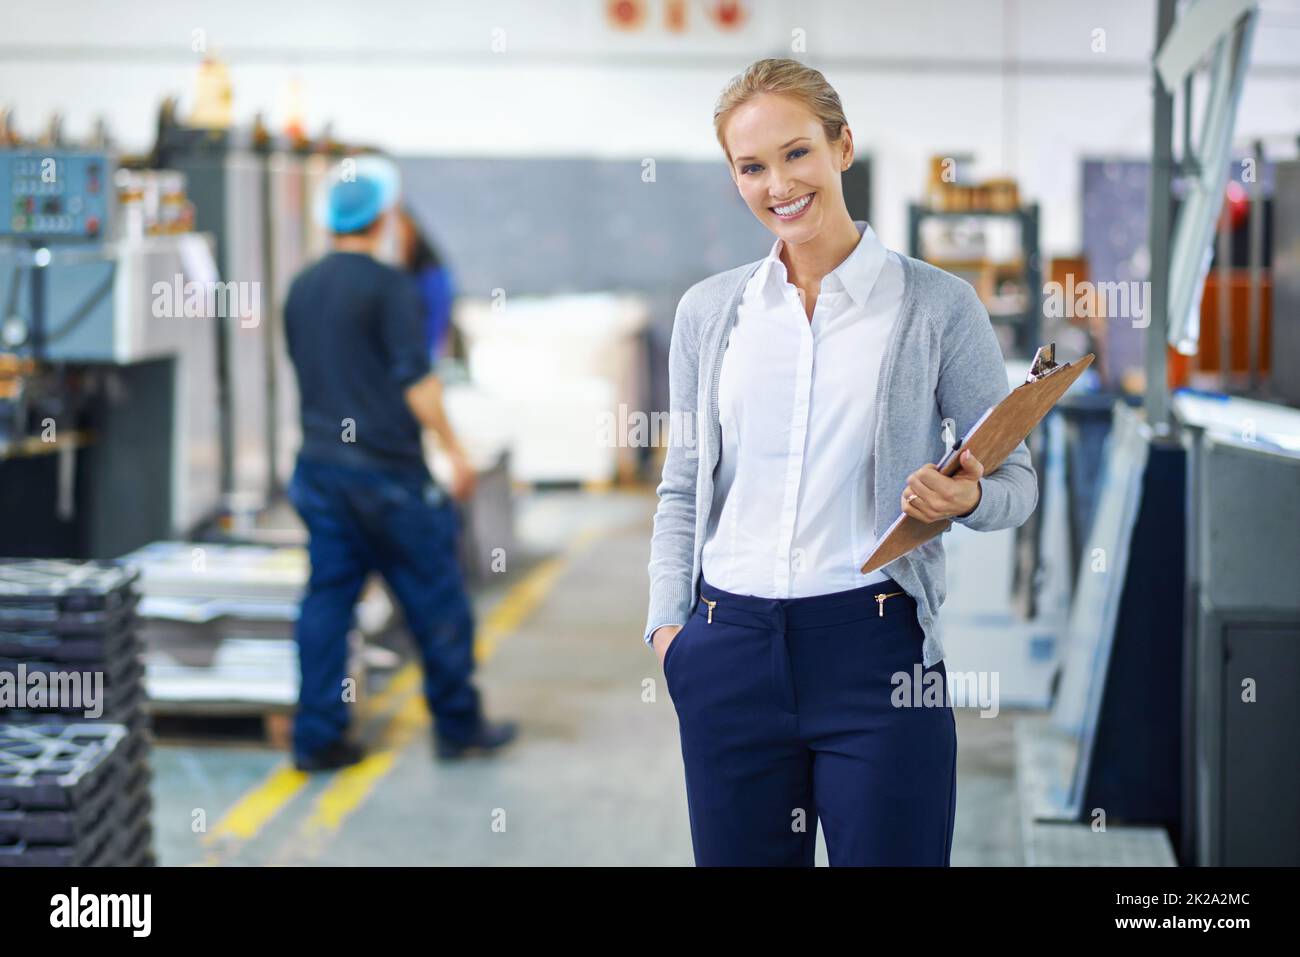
<point x="403" y="681"/>
<point x="259" y="805"/>
<point x="282" y="784"/>
<point x="351" y="786"/>
<point x="516" y="606"/>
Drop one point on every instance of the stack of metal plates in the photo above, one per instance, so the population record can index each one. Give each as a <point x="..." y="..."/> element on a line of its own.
<point x="216" y="622"/>
<point x="72" y="795"/>
<point x="265" y="581"/>
<point x="71" y="660"/>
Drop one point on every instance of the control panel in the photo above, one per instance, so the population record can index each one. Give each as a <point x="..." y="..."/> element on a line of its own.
<point x="54" y="194"/>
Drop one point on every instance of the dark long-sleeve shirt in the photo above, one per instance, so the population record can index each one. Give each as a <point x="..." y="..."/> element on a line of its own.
<point x="355" y="333"/>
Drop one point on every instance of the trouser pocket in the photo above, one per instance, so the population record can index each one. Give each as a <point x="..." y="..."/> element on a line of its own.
<point x="670" y="656"/>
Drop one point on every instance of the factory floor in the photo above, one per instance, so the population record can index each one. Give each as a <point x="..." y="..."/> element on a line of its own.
<point x="596" y="775"/>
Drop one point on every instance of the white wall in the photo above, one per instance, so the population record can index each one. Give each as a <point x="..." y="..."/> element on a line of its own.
<point x="1017" y="83"/>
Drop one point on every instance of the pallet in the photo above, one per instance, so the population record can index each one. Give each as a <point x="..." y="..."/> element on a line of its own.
<point x="73" y="795"/>
<point x="64" y="595"/>
<point x="211" y="721"/>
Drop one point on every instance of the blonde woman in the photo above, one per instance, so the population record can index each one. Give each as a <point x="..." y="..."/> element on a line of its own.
<point x="817" y="379"/>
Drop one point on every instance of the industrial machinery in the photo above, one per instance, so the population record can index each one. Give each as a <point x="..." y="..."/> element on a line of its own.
<point x="148" y="356"/>
<point x="252" y="192"/>
<point x="1241" y="786"/>
<point x="1175" y="717"/>
<point x="107" y="402"/>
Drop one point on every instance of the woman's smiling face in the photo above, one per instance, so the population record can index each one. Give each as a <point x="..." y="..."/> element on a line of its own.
<point x="787" y="172"/>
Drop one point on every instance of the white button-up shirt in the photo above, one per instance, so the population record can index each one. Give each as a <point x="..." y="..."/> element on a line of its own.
<point x="793" y="506"/>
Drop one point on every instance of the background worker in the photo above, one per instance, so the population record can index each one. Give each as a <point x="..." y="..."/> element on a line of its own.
<point x="432" y="277"/>
<point x="355" y="333"/>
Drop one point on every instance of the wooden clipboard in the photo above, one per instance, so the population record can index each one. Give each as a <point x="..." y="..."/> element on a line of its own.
<point x="991" y="440"/>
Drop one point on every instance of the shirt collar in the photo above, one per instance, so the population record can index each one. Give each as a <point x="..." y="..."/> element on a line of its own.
<point x="857" y="274"/>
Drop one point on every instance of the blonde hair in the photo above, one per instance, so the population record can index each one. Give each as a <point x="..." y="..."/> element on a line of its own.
<point x="786" y="77"/>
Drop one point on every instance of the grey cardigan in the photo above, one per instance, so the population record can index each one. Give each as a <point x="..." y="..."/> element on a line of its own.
<point x="942" y="360"/>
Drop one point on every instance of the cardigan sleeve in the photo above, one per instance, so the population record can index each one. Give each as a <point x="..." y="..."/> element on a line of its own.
<point x="672" y="543"/>
<point x="972" y="379"/>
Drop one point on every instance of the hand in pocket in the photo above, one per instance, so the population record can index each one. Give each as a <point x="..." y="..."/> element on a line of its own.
<point x="663" y="637"/>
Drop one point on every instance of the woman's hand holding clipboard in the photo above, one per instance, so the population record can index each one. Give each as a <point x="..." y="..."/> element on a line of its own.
<point x="990" y="440"/>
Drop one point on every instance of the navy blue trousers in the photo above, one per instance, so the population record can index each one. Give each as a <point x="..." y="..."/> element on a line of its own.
<point x="402" y="525"/>
<point x="799" y="710"/>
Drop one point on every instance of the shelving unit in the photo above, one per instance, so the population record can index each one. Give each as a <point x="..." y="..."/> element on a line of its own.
<point x="1022" y="310"/>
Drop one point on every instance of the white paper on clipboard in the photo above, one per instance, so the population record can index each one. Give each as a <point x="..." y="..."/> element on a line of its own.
<point x="970" y="433"/>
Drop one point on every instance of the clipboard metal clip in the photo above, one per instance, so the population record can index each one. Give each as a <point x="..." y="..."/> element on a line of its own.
<point x="1044" y="363"/>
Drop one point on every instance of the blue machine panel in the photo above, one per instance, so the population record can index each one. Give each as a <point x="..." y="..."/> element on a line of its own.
<point x="54" y="194"/>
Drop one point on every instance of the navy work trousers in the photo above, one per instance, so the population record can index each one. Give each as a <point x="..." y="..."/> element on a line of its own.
<point x="799" y="710"/>
<point x="402" y="525"/>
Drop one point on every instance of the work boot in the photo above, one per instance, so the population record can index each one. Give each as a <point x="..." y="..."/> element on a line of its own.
<point x="338" y="754"/>
<point x="490" y="736"/>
